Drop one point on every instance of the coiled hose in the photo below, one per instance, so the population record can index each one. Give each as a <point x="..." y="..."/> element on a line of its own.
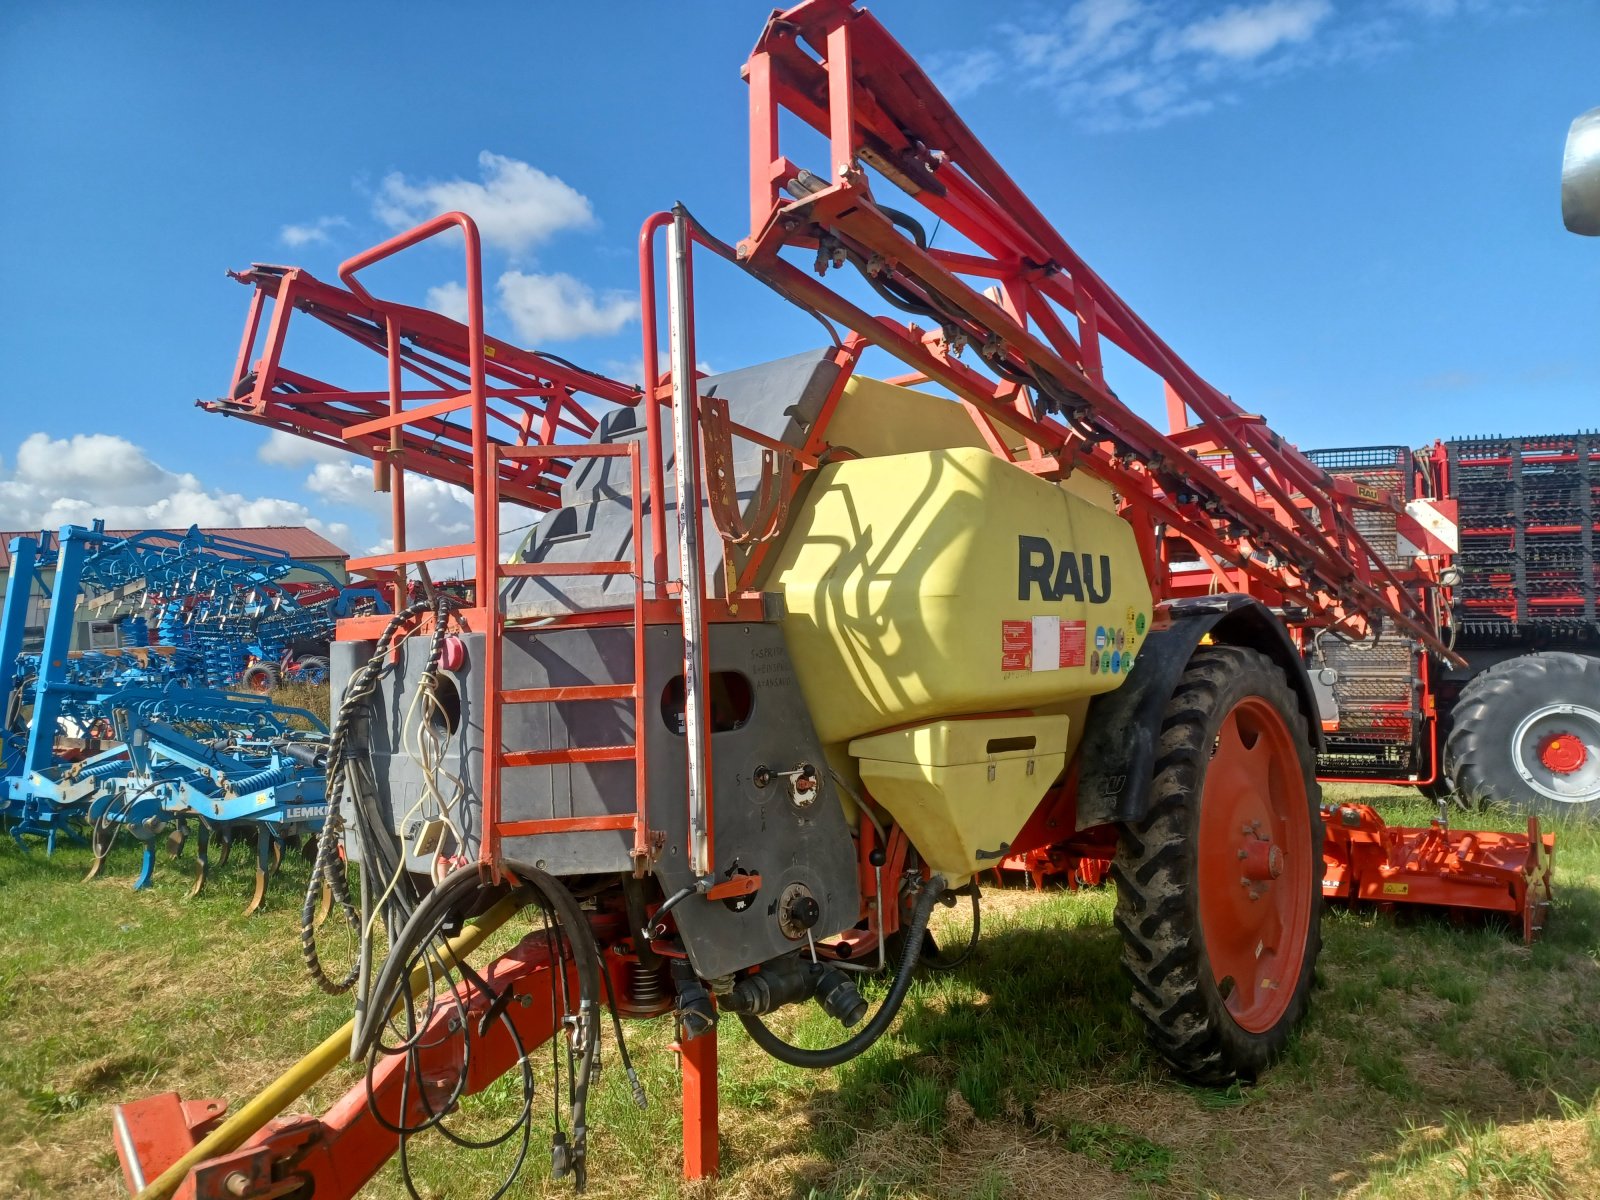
<point x="329" y="867"/>
<point x="832" y="1056"/>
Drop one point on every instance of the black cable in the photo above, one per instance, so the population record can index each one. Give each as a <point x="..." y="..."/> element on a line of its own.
<point x="409" y="943"/>
<point x="586" y="1028"/>
<point x="329" y="866"/>
<point x="832" y="1056"/>
<point x="622" y="1042"/>
<point x="907" y="222"/>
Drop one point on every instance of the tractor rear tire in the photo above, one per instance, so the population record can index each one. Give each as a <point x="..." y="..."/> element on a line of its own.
<point x="1219" y="887"/>
<point x="260" y="678"/>
<point x="1526" y="732"/>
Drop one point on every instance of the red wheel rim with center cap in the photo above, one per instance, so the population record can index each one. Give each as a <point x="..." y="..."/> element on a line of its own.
<point x="1255" y="864"/>
<point x="1563" y="753"/>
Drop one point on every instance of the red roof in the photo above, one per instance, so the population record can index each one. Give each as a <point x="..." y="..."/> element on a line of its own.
<point x="294" y="540"/>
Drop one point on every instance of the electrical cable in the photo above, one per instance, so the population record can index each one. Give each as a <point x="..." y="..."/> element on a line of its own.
<point x="329" y="865"/>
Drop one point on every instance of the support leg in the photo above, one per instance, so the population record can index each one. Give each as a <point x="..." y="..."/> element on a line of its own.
<point x="698" y="1057"/>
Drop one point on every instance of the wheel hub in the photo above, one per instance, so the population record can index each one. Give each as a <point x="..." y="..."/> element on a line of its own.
<point x="1556" y="751"/>
<point x="1260" y="860"/>
<point x="1563" y="753"/>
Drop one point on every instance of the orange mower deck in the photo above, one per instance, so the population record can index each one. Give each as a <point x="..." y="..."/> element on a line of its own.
<point x="1364" y="859"/>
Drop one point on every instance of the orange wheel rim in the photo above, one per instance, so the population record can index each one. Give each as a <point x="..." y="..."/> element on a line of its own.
<point x="1255" y="864"/>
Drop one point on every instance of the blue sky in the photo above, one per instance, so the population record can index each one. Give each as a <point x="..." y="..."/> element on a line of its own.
<point x="1344" y="212"/>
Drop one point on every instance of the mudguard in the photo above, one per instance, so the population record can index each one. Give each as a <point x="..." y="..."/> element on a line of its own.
<point x="1116" y="761"/>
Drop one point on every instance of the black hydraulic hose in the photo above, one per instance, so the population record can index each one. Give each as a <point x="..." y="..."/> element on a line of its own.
<point x="586" y="958"/>
<point x="410" y="941"/>
<point x="832" y="1056"/>
<point x="329" y="866"/>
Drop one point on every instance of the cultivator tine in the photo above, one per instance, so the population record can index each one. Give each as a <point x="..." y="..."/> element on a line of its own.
<point x="325" y="905"/>
<point x="202" y="859"/>
<point x="147" y="867"/>
<point x="176" y="839"/>
<point x="277" y="855"/>
<point x="268" y="855"/>
<point x="101" y="837"/>
<point x="227" y="848"/>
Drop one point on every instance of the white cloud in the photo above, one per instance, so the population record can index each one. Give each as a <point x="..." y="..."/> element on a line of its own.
<point x="516" y="206"/>
<point x="631" y="370"/>
<point x="77" y="479"/>
<point x="449" y="299"/>
<point x="285" y="450"/>
<point x="1247" y="32"/>
<point x="317" y="231"/>
<point x="437" y="514"/>
<point x="1120" y="64"/>
<point x="555" y="308"/>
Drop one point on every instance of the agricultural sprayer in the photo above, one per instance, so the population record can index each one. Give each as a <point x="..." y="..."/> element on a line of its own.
<point x="792" y="655"/>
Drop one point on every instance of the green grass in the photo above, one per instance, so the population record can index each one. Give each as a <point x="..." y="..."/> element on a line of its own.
<point x="1440" y="1059"/>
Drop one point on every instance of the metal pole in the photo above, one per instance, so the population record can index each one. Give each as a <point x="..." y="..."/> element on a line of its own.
<point x="685" y="406"/>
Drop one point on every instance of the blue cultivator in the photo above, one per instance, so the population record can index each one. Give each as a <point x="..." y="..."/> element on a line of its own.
<point x="266" y="784"/>
<point x="219" y="602"/>
<point x="127" y="742"/>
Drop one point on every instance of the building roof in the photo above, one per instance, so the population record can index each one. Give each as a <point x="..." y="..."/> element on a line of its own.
<point x="294" y="540"/>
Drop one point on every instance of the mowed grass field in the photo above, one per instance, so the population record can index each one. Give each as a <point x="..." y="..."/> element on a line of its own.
<point x="1439" y="1060"/>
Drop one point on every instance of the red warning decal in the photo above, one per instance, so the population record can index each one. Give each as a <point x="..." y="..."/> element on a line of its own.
<point x="1016" y="645"/>
<point x="1074" y="643"/>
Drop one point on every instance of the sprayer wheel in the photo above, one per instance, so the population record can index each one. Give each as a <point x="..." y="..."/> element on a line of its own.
<point x="1219" y="886"/>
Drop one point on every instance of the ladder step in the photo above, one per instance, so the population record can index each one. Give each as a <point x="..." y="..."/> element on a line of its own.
<point x="565" y="825"/>
<point x="556" y="695"/>
<point x="572" y="754"/>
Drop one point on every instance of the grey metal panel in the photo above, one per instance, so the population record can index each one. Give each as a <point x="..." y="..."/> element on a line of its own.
<point x="780" y="399"/>
<point x="377" y="737"/>
<point x="755" y="829"/>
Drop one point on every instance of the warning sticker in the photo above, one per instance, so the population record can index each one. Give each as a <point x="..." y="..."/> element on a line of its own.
<point x="1074" y="643"/>
<point x="1396" y="889"/>
<point x="1043" y="644"/>
<point x="1016" y="645"/>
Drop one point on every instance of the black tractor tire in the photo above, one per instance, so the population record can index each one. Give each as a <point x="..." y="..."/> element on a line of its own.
<point x="1503" y="726"/>
<point x="1176" y="992"/>
<point x="1438" y="790"/>
<point x="260" y="678"/>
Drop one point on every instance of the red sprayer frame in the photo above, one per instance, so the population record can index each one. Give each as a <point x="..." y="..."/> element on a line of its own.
<point x="1282" y="525"/>
<point x="505" y="423"/>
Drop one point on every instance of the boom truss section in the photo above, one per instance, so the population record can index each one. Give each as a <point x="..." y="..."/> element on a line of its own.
<point x="1032" y="311"/>
<point x="455" y="397"/>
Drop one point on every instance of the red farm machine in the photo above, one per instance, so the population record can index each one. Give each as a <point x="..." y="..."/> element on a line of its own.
<point x="793" y="654"/>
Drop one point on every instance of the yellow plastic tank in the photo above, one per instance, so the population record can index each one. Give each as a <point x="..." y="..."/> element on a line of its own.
<point x="949" y="582"/>
<point x="963" y="788"/>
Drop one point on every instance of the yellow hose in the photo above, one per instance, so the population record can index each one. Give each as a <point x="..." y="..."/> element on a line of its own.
<point x="300" y="1078"/>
